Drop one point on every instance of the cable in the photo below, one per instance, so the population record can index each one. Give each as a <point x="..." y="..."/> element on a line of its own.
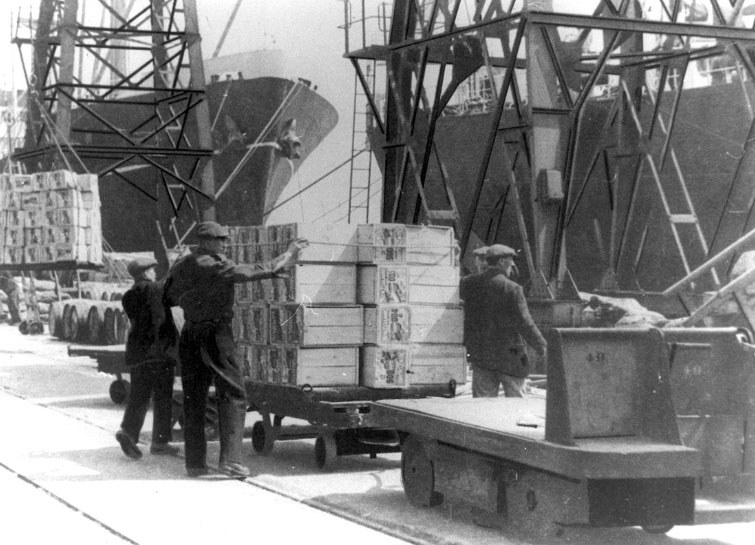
<point x="318" y="180"/>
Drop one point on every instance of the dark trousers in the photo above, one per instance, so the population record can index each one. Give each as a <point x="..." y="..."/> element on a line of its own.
<point x="148" y="379"/>
<point x="201" y="345"/>
<point x="14" y="302"/>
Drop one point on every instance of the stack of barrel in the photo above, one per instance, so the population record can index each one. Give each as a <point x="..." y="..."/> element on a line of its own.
<point x="370" y="305"/>
<point x="88" y="321"/>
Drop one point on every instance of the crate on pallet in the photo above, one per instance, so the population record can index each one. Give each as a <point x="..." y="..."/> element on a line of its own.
<point x="419" y="244"/>
<point x="322" y="366"/>
<point x="399" y="283"/>
<point x="328" y="243"/>
<point x="252" y="324"/>
<point x="388" y="324"/>
<point x="311" y="326"/>
<point x="384" y="366"/>
<point x="401" y="366"/>
<point x="437" y="364"/>
<point x="317" y="283"/>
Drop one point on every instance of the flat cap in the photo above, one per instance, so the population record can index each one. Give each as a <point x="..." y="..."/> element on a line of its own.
<point x="482" y="251"/>
<point x="210" y="229"/>
<point x="137" y="267"/>
<point x="499" y="250"/>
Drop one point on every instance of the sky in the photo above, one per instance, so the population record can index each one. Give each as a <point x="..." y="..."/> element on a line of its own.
<point x="307" y="31"/>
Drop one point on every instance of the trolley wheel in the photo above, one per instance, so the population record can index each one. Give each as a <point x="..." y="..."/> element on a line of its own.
<point x="326" y="450"/>
<point x="23" y="327"/>
<point x="36" y="328"/>
<point x="417" y="474"/>
<point x="262" y="439"/>
<point x="657" y="528"/>
<point x="119" y="390"/>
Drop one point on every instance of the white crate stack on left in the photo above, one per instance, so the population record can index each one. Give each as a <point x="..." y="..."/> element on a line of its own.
<point x="50" y="217"/>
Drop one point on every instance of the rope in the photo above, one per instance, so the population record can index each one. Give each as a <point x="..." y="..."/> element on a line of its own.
<point x="318" y="180"/>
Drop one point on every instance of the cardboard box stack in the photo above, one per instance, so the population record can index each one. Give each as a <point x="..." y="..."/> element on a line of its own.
<point x="373" y="305"/>
<point x="50" y="217"/>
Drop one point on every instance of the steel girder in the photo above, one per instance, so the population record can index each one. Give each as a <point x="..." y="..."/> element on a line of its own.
<point x="543" y="129"/>
<point x="91" y="110"/>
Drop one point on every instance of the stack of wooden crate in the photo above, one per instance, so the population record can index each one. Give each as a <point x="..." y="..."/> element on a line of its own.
<point x="50" y="217"/>
<point x="408" y="279"/>
<point x="373" y="305"/>
<point x="308" y="325"/>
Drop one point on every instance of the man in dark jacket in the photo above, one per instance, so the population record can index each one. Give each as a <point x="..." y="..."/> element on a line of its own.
<point x="496" y="320"/>
<point x="152" y="369"/>
<point x="202" y="284"/>
<point x="9" y="286"/>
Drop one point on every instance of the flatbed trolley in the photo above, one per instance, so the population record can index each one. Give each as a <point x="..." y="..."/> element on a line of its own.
<point x="111" y="359"/>
<point x="603" y="449"/>
<point x="32" y="325"/>
<point x="339" y="417"/>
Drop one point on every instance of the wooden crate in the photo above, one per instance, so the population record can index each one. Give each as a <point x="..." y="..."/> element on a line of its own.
<point x="59" y="179"/>
<point x="384" y="366"/>
<point x="401" y="366"/>
<point x="317" y="283"/>
<point x="394" y="283"/>
<point x="252" y="324"/>
<point x="426" y="245"/>
<point x="309" y="326"/>
<point x="323" y="366"/>
<point x="328" y="243"/>
<point x="389" y="324"/>
<point x="437" y="364"/>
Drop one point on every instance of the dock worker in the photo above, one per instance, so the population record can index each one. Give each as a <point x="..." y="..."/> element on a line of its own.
<point x="202" y="284"/>
<point x="497" y="323"/>
<point x="479" y="259"/>
<point x="9" y="286"/>
<point x="150" y="364"/>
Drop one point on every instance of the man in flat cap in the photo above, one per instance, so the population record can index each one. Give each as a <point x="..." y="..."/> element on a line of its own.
<point x="479" y="258"/>
<point x="152" y="370"/>
<point x="202" y="284"/>
<point x="497" y="321"/>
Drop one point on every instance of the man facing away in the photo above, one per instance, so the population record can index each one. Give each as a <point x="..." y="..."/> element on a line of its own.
<point x="152" y="370"/>
<point x="497" y="321"/>
<point x="202" y="284"/>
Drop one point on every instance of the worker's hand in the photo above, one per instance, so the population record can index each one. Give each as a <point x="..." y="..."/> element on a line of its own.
<point x="297" y="246"/>
<point x="289" y="257"/>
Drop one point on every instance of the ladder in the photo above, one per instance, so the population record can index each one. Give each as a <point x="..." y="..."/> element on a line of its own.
<point x="679" y="214"/>
<point x="361" y="164"/>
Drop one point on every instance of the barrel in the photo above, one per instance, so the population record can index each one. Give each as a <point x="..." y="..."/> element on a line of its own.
<point x="105" y="296"/>
<point x="96" y="322"/>
<point x="55" y="319"/>
<point x="64" y="319"/>
<point x="76" y="320"/>
<point x="110" y="325"/>
<point x="116" y="296"/>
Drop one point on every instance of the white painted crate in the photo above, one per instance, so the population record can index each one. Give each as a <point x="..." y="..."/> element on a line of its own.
<point x="389" y="324"/>
<point x="398" y="283"/>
